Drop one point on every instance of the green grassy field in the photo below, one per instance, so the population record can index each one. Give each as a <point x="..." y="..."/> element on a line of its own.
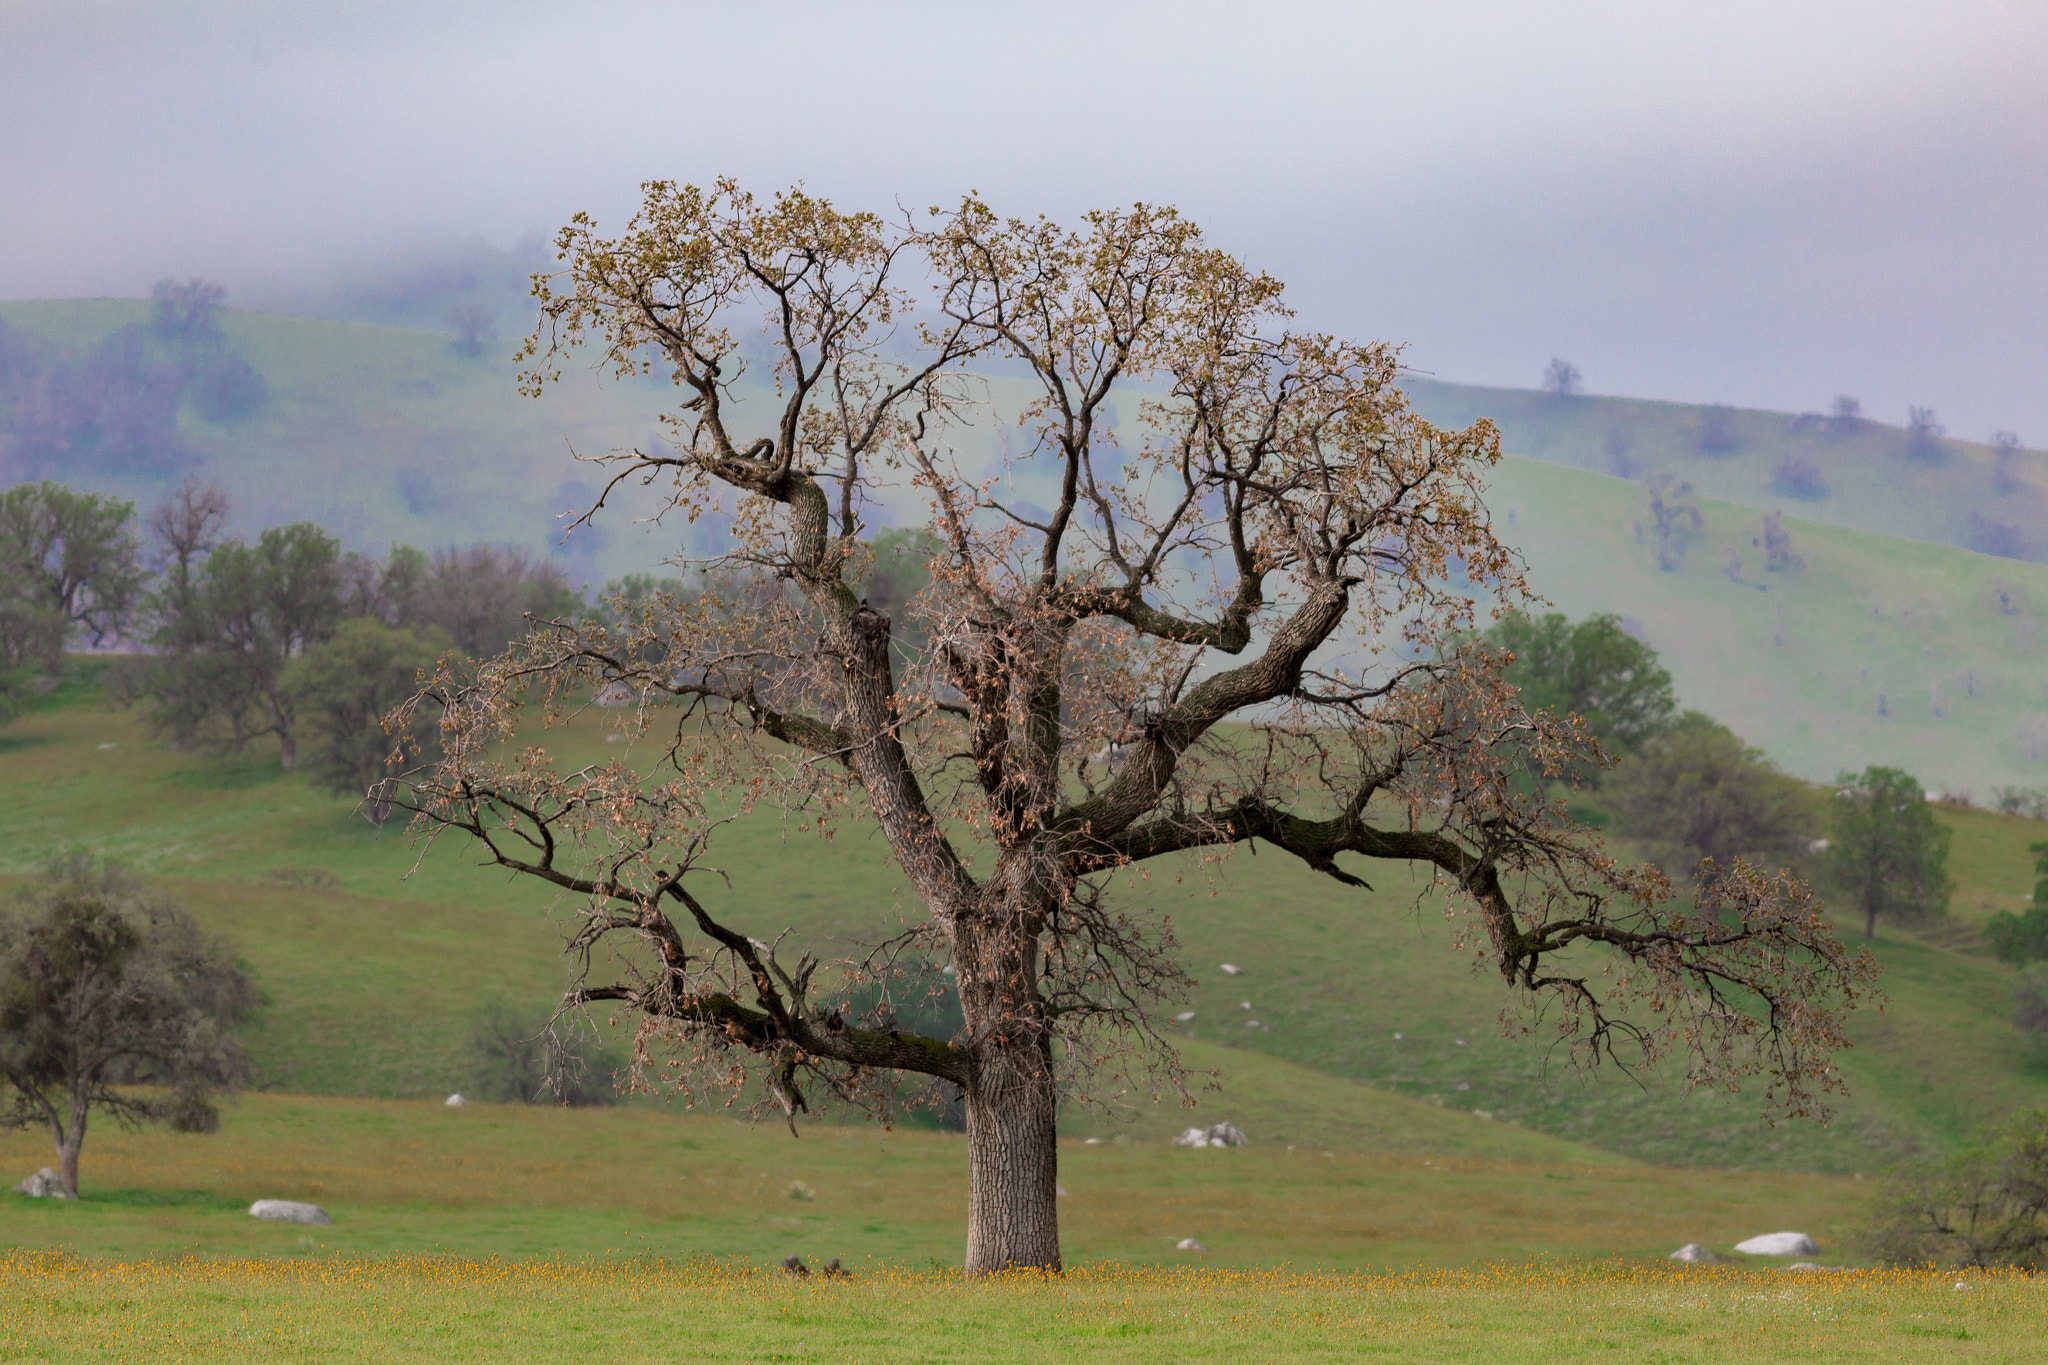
<point x="450" y="1309"/>
<point x="375" y="986"/>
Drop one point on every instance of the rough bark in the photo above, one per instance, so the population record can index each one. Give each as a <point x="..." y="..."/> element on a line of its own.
<point x="1013" y="1162"/>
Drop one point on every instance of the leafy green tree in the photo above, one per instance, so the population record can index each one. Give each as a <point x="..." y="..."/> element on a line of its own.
<point x="1888" y="853"/>
<point x="1986" y="1206"/>
<point x="105" y="986"/>
<point x="2020" y="939"/>
<point x="1592" y="669"/>
<point x="69" y="566"/>
<point x="479" y="596"/>
<point x="1697" y="791"/>
<point x="227" y="634"/>
<point x="2030" y="1005"/>
<point x="341" y="689"/>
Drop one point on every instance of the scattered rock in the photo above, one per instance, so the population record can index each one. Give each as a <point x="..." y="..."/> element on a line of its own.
<point x="1464" y="1085"/>
<point x="794" y="1265"/>
<point x="1692" y="1253"/>
<point x="1183" y="1016"/>
<point x="289" y="1211"/>
<point x="1251" y="1023"/>
<point x="1779" y="1244"/>
<point x="1802" y="1265"/>
<point x="833" y="1270"/>
<point x="1092" y="1142"/>
<point x="1188" y="1244"/>
<point x="1215" y="1135"/>
<point x="457" y="1102"/>
<point x="44" y="1184"/>
<point x="800" y="1192"/>
<point x="1232" y="969"/>
<point x="1059" y="1191"/>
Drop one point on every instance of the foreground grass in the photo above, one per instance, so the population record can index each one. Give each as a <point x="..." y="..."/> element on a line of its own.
<point x="415" y="1177"/>
<point x="452" y="1309"/>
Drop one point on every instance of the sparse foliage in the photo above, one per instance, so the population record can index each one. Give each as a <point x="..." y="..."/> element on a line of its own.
<point x="69" y="566"/>
<point x="341" y="689"/>
<point x="1718" y="432"/>
<point x="2005" y="467"/>
<point x="471" y="322"/>
<point x="106" y="986"/>
<point x="1698" y="796"/>
<point x="1246" y="617"/>
<point x="1987" y="1206"/>
<point x="188" y="312"/>
<point x="1888" y="853"/>
<point x="519" y="1057"/>
<point x="1923" y="436"/>
<point x="1676" y="518"/>
<point x="1561" y="379"/>
<point x="1845" y="415"/>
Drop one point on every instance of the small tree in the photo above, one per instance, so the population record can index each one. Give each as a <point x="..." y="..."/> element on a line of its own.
<point x="341" y="689"/>
<point x="1146" y="660"/>
<point x="1987" y="1206"/>
<point x="2019" y="939"/>
<point x="1594" y="670"/>
<point x="106" y="986"/>
<point x="69" y="566"/>
<point x="1697" y="792"/>
<point x="1845" y="415"/>
<point x="226" y="631"/>
<point x="471" y="322"/>
<point x="1923" y="436"/>
<point x="188" y="312"/>
<point x="1561" y="379"/>
<point x="2005" y="468"/>
<point x="1888" y="853"/>
<point x="1718" y="433"/>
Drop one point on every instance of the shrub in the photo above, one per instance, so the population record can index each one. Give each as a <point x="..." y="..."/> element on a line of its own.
<point x="1987" y="1206"/>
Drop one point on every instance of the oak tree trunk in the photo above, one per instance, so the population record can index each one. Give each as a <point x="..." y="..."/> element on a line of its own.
<point x="1012" y="1162"/>
<point x="69" y="1141"/>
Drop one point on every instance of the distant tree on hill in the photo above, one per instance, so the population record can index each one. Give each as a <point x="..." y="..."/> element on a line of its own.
<point x="225" y="388"/>
<point x="1888" y="853"/>
<point x="1676" y="518"/>
<point x="1923" y="436"/>
<point x="341" y="689"/>
<point x="106" y="986"/>
<point x="1985" y="1206"/>
<point x="471" y="322"/>
<point x="1797" y="476"/>
<point x="1718" y="433"/>
<point x="1561" y="379"/>
<point x="523" y="1057"/>
<point x="2030" y="1006"/>
<point x="2005" y="468"/>
<point x="225" y="635"/>
<point x="1696" y="791"/>
<point x="480" y="597"/>
<point x="70" y="567"/>
<point x="1845" y="415"/>
<point x="188" y="312"/>
<point x="1776" y="543"/>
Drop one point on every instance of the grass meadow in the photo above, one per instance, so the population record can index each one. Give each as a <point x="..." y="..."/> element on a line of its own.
<point x="448" y="1309"/>
<point x="376" y="984"/>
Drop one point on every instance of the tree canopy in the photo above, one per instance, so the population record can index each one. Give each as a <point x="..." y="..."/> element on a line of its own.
<point x="1697" y="792"/>
<point x="1888" y="853"/>
<point x="105" y="986"/>
<point x="1133" y="646"/>
<point x="69" y="566"/>
<point x="1592" y="669"/>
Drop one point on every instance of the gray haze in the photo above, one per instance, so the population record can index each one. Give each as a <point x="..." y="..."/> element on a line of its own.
<point x="1757" y="203"/>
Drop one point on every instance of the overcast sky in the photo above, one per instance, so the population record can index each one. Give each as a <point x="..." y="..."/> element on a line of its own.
<point x="1765" y="204"/>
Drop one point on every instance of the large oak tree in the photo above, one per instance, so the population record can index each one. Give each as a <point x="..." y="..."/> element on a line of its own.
<point x="1221" y="589"/>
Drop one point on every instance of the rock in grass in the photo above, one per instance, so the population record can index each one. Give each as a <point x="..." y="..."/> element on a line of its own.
<point x="1692" y="1253"/>
<point x="793" y="1264"/>
<point x="456" y="1102"/>
<point x="1188" y="1244"/>
<point x="1215" y="1135"/>
<point x="1779" y="1244"/>
<point x="44" y="1184"/>
<point x="289" y="1211"/>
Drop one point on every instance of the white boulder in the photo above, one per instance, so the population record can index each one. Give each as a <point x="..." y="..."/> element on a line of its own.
<point x="1692" y="1253"/>
<point x="1232" y="969"/>
<point x="456" y="1102"/>
<point x="289" y="1211"/>
<point x="44" y="1184"/>
<point x="1779" y="1244"/>
<point x="1188" y="1244"/>
<point x="1215" y="1135"/>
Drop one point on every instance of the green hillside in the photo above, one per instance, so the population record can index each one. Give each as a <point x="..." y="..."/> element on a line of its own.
<point x="1864" y="475"/>
<point x="374" y="986"/>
